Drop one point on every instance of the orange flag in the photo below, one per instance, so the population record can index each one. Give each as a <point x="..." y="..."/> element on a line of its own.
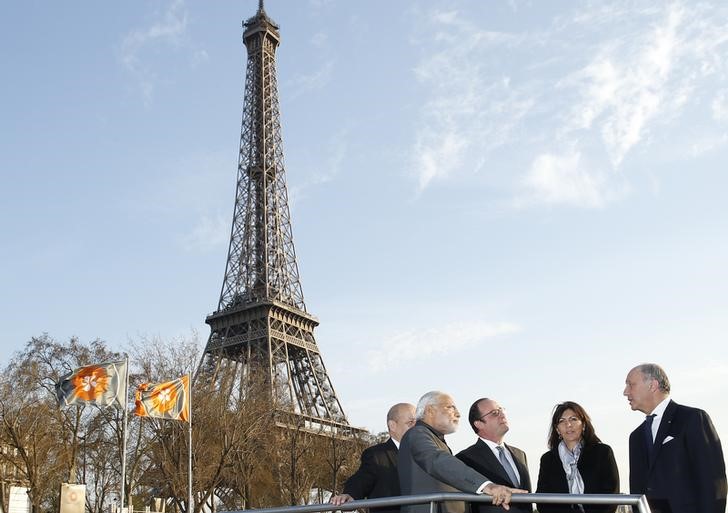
<point x="103" y="384"/>
<point x="170" y="400"/>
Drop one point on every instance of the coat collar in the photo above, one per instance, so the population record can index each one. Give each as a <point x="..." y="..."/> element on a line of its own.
<point x="663" y="430"/>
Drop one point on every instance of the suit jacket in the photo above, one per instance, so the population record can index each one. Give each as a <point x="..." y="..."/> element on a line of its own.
<point x="426" y="465"/>
<point x="479" y="457"/>
<point x="597" y="467"/>
<point x="686" y="468"/>
<point x="377" y="475"/>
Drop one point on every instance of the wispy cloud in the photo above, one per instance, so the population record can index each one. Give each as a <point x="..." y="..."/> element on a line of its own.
<point x="319" y="39"/>
<point x="708" y="143"/>
<point x="139" y="46"/>
<point x="209" y="233"/>
<point x="406" y="348"/>
<point x="335" y="150"/>
<point x="626" y="85"/>
<point x="314" y="81"/>
<point x="187" y="189"/>
<point x="466" y="112"/>
<point x="563" y="179"/>
<point x="719" y="106"/>
<point x="611" y="78"/>
<point x="319" y="4"/>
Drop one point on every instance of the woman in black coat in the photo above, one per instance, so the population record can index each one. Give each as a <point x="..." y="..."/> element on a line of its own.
<point x="577" y="462"/>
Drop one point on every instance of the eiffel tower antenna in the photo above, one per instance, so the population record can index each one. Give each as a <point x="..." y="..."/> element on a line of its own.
<point x="261" y="326"/>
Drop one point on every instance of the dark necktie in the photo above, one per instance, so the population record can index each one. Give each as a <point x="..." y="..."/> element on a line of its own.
<point x="648" y="433"/>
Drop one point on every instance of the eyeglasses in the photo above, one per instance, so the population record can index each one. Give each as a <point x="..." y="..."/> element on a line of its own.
<point x="570" y="420"/>
<point x="494" y="413"/>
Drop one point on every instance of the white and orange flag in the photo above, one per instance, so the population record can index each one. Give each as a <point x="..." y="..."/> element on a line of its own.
<point x="170" y="400"/>
<point x="103" y="384"/>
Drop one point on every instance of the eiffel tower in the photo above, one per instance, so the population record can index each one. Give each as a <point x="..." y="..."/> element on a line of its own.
<point x="261" y="325"/>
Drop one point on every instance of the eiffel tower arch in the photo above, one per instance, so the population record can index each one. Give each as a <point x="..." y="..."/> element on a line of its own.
<point x="261" y="327"/>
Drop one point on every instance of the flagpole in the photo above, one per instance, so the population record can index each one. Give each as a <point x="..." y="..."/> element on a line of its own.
<point x="123" y="437"/>
<point x="190" y="508"/>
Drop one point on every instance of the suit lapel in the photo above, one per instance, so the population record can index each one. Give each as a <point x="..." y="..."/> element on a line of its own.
<point x="663" y="430"/>
<point x="520" y="467"/>
<point x="491" y="463"/>
<point x="392" y="453"/>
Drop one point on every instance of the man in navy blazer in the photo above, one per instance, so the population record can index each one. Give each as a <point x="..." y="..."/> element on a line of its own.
<point x="490" y="423"/>
<point x="675" y="455"/>
<point x="377" y="475"/>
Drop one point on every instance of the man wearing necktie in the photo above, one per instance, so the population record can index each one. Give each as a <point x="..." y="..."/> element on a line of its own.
<point x="426" y="464"/>
<point x="675" y="455"/>
<point x="500" y="463"/>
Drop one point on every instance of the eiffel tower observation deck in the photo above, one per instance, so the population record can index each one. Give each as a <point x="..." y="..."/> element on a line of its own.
<point x="261" y="328"/>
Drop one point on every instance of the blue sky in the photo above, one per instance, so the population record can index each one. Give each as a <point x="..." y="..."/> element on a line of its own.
<point x="518" y="200"/>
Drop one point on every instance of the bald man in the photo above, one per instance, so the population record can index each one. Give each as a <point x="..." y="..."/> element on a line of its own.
<point x="377" y="474"/>
<point x="675" y="455"/>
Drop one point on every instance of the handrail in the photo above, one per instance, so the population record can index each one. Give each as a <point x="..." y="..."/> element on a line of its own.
<point x="638" y="501"/>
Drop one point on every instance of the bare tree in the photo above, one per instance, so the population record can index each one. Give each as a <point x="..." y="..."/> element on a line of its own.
<point x="244" y="454"/>
<point x="46" y="438"/>
<point x="224" y="428"/>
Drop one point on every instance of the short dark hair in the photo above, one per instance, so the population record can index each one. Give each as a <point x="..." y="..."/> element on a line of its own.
<point x="474" y="413"/>
<point x="654" y="371"/>
<point x="589" y="435"/>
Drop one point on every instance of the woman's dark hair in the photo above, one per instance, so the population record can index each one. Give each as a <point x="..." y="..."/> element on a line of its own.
<point x="589" y="436"/>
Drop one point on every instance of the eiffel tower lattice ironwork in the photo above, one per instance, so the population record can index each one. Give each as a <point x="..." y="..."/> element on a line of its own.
<point x="261" y="324"/>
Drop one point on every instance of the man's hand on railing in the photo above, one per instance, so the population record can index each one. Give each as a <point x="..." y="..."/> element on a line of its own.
<point x="502" y="494"/>
<point x="338" y="500"/>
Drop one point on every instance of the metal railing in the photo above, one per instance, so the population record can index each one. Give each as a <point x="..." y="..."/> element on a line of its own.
<point x="638" y="502"/>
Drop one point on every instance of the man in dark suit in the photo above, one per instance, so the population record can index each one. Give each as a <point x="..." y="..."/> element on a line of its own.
<point x="426" y="464"/>
<point x="675" y="455"/>
<point x="377" y="475"/>
<point x="501" y="463"/>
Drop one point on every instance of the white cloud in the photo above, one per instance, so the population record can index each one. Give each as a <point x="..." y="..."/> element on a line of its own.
<point x="336" y="151"/>
<point x="625" y="86"/>
<point x="318" y="79"/>
<point x="319" y="4"/>
<point x="319" y="39"/>
<point x="138" y="47"/>
<point x="437" y="155"/>
<point x="445" y="17"/>
<point x="608" y="80"/>
<point x="208" y="233"/>
<point x="708" y="143"/>
<point x="719" y="106"/>
<point x="198" y="57"/>
<point x="467" y="112"/>
<point x="561" y="179"/>
<point x="405" y="348"/>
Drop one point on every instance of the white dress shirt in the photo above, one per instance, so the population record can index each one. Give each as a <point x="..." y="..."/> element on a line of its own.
<point x="658" y="412"/>
<point x="494" y="447"/>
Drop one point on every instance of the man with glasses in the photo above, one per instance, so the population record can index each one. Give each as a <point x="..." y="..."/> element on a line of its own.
<point x="426" y="464"/>
<point x="501" y="463"/>
<point x="377" y="475"/>
<point x="675" y="455"/>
